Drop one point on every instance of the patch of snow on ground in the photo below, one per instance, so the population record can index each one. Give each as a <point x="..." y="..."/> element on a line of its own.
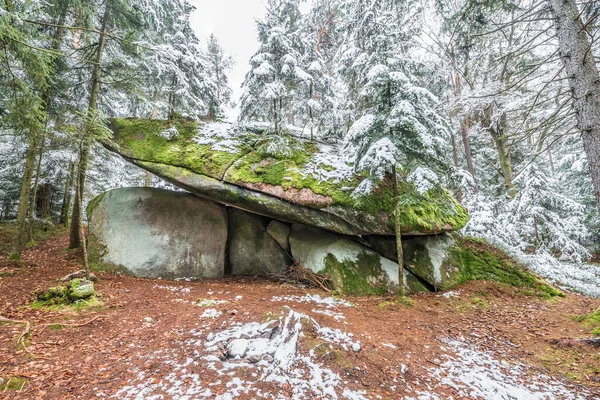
<point x="174" y="289"/>
<point x="328" y="302"/>
<point x="211" y="313"/>
<point x="272" y="351"/>
<point x="268" y="352"/>
<point x="450" y="294"/>
<point x="335" y="315"/>
<point x="477" y="374"/>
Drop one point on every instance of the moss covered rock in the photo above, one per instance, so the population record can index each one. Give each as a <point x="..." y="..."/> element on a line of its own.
<point x="306" y="182"/>
<point x="157" y="233"/>
<point x="76" y="291"/>
<point x="352" y="267"/>
<point x="252" y="251"/>
<point x="80" y="289"/>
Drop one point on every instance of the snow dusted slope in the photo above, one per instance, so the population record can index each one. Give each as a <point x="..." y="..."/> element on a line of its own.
<point x="574" y="276"/>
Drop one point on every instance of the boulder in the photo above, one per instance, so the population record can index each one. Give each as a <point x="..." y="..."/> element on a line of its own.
<point x="352" y="267"/>
<point x="156" y="233"/>
<point x="252" y="251"/>
<point x="281" y="177"/>
<point x="280" y="232"/>
<point x="430" y="258"/>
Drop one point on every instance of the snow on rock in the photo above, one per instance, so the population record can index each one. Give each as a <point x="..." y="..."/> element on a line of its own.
<point x="329" y="164"/>
<point x="477" y="374"/>
<point x="223" y="136"/>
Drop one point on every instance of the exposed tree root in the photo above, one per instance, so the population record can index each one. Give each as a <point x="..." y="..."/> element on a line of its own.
<point x="74" y="325"/>
<point x="21" y="340"/>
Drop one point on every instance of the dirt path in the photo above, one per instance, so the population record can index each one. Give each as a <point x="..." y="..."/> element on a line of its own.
<point x="252" y="338"/>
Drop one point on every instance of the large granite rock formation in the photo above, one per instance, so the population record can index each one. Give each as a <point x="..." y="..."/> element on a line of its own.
<point x="156" y="233"/>
<point x="280" y="177"/>
<point x="162" y="234"/>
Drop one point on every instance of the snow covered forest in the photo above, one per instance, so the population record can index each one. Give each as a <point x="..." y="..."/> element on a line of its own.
<point x="380" y="199"/>
<point x="482" y="98"/>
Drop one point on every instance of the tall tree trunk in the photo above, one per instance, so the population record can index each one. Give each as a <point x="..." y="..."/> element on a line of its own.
<point x="505" y="164"/>
<point x="66" y="204"/>
<point x="464" y="133"/>
<point x="275" y="116"/>
<point x="584" y="80"/>
<point x="44" y="200"/>
<point x="75" y="238"/>
<point x="33" y="197"/>
<point x="398" y="230"/>
<point x="498" y="134"/>
<point x="17" y="247"/>
<point x="459" y="194"/>
<point x="46" y="98"/>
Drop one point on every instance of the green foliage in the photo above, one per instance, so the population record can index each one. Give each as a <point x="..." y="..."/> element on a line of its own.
<point x="592" y="321"/>
<point x="13" y="383"/>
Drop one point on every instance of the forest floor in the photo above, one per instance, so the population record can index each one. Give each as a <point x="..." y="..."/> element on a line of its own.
<point x="253" y="338"/>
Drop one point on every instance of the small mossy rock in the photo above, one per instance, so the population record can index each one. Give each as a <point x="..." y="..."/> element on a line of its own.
<point x="155" y="233"/>
<point x="280" y="232"/>
<point x="352" y="267"/>
<point x="307" y="183"/>
<point x="80" y="289"/>
<point x="58" y="292"/>
<point x="252" y="251"/>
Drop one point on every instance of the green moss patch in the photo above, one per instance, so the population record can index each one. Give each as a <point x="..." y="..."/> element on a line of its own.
<point x="591" y="321"/>
<point x="363" y="277"/>
<point x="13" y="383"/>
<point x="478" y="260"/>
<point x="145" y="140"/>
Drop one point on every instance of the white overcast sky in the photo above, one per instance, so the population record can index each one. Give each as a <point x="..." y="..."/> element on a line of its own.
<point x="233" y="23"/>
